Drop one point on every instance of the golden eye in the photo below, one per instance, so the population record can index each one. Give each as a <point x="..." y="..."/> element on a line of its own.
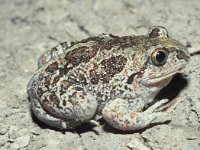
<point x="159" y="57"/>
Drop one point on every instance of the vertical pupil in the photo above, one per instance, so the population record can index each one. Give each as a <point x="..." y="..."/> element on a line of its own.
<point x="160" y="56"/>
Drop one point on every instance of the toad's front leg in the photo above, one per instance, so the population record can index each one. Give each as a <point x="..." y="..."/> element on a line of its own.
<point x="119" y="115"/>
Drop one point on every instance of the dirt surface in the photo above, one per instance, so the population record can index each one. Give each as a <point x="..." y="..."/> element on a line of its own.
<point x="28" y="28"/>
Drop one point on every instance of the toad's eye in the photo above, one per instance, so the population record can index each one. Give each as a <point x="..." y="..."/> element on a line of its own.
<point x="159" y="57"/>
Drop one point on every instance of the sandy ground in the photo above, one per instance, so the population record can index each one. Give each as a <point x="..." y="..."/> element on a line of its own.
<point x="28" y="28"/>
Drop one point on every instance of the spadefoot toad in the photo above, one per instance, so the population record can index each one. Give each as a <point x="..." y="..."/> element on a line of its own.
<point x="106" y="76"/>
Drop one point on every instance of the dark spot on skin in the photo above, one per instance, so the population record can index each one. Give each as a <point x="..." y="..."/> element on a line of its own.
<point x="56" y="79"/>
<point x="40" y="92"/>
<point x="130" y="78"/>
<point x="54" y="99"/>
<point x="127" y="122"/>
<point x="108" y="46"/>
<point x="93" y="52"/>
<point x="94" y="80"/>
<point x="99" y="95"/>
<point x="73" y="98"/>
<point x="82" y="79"/>
<point x="52" y="67"/>
<point x="72" y="43"/>
<point x="47" y="87"/>
<point x="63" y="71"/>
<point x="64" y="102"/>
<point x="64" y="86"/>
<point x="45" y="103"/>
<point x="47" y="82"/>
<point x="78" y="88"/>
<point x="126" y="87"/>
<point x="94" y="77"/>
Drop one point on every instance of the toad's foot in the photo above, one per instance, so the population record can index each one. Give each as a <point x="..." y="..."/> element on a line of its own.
<point x="119" y="115"/>
<point x="172" y="105"/>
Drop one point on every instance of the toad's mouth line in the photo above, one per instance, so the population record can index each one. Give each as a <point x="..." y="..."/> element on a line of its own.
<point x="164" y="77"/>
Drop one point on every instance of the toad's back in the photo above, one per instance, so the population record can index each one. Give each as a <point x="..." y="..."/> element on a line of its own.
<point x="90" y="62"/>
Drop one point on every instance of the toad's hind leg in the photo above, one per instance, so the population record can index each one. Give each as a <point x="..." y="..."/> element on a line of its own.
<point x="79" y="107"/>
<point x="119" y="115"/>
<point x="54" y="52"/>
<point x="43" y="116"/>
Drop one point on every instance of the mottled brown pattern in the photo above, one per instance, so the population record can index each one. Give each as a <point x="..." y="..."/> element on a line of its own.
<point x="47" y="81"/>
<point x="56" y="79"/>
<point x="52" y="67"/>
<point x="54" y="99"/>
<point x="79" y="55"/>
<point x="129" y="41"/>
<point x="94" y="77"/>
<point x="101" y="42"/>
<point x="64" y="70"/>
<point x="40" y="92"/>
<point x="82" y="78"/>
<point x="64" y="86"/>
<point x="112" y="66"/>
<point x="109" y="68"/>
<point x="48" y="108"/>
